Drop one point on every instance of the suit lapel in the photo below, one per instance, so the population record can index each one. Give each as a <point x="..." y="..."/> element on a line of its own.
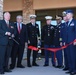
<point x="10" y="24"/>
<point x="70" y="22"/>
<point x="16" y="27"/>
<point x="21" y="28"/>
<point x="5" y="24"/>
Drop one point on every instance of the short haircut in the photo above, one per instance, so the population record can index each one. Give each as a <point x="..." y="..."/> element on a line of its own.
<point x="6" y="13"/>
<point x="19" y="16"/>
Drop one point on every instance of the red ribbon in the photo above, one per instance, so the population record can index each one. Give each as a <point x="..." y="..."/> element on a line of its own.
<point x="51" y="49"/>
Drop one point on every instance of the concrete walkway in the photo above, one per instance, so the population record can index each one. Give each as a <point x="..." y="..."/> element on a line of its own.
<point x="37" y="70"/>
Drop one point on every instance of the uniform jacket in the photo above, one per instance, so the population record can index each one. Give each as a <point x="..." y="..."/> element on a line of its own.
<point x="47" y="34"/>
<point x="33" y="33"/>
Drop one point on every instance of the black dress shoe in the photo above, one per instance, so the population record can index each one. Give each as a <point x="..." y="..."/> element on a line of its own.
<point x="29" y="66"/>
<point x="2" y="73"/>
<point x="72" y="73"/>
<point x="65" y="69"/>
<point x="45" y="65"/>
<point x="35" y="64"/>
<point x="57" y="66"/>
<point x="12" y="67"/>
<point x="60" y="67"/>
<point x="20" y="66"/>
<point x="7" y="70"/>
<point x="67" y="72"/>
<point x="54" y="66"/>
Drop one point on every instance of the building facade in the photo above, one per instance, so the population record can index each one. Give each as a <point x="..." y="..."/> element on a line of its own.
<point x="39" y="7"/>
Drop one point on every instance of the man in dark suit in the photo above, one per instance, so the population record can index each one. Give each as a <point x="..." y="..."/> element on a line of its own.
<point x="12" y="30"/>
<point x="18" y="49"/>
<point x="47" y="36"/>
<point x="33" y="32"/>
<point x="5" y="33"/>
<point x="71" y="36"/>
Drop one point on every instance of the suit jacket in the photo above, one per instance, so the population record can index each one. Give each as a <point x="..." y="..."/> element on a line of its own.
<point x="33" y="32"/>
<point x="12" y="29"/>
<point x="71" y="31"/>
<point x="23" y="36"/>
<point x="4" y="39"/>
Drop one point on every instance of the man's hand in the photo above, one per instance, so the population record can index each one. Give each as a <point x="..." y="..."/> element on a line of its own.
<point x="74" y="43"/>
<point x="28" y="42"/>
<point x="26" y="45"/>
<point x="61" y="44"/>
<point x="64" y="43"/>
<point x="13" y="36"/>
<point x="8" y="33"/>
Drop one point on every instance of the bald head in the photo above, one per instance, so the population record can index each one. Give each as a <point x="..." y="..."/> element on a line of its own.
<point x="7" y="16"/>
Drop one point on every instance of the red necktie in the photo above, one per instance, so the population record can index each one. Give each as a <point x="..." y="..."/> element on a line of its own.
<point x="19" y="30"/>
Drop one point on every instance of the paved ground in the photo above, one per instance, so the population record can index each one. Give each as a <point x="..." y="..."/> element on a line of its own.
<point x="37" y="70"/>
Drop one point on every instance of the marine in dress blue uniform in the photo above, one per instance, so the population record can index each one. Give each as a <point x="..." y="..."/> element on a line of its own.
<point x="57" y="41"/>
<point x="47" y="36"/>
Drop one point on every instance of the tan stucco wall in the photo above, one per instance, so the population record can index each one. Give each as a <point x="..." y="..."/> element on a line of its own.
<point x="12" y="5"/>
<point x="1" y="9"/>
<point x="50" y="4"/>
<point x="16" y="5"/>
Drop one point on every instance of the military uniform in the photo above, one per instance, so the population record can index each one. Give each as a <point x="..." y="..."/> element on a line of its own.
<point x="66" y="64"/>
<point x="71" y="36"/>
<point x="33" y="32"/>
<point x="57" y="40"/>
<point x="47" y="37"/>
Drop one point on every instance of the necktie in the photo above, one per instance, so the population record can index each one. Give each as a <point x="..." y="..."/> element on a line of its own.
<point x="7" y="23"/>
<point x="19" y="30"/>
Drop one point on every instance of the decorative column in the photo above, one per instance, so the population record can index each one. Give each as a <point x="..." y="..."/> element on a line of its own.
<point x="27" y="10"/>
<point x="1" y="9"/>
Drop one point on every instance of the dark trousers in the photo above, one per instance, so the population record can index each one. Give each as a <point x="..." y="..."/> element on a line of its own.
<point x="17" y="51"/>
<point x="66" y="64"/>
<point x="29" y="55"/>
<point x="2" y="56"/>
<point x="59" y="57"/>
<point x="71" y="58"/>
<point x="7" y="56"/>
<point x="47" y="54"/>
